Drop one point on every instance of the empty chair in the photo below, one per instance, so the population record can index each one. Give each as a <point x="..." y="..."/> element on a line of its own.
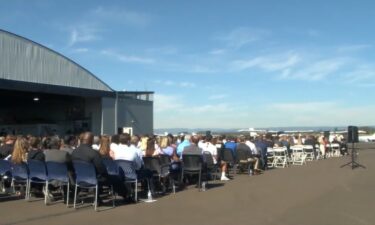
<point x="298" y="155"/>
<point x="192" y="165"/>
<point x="37" y="174"/>
<point x="280" y="157"/>
<point x="270" y="158"/>
<point x="57" y="172"/>
<point x="309" y="152"/>
<point x="335" y="149"/>
<point x="20" y="175"/>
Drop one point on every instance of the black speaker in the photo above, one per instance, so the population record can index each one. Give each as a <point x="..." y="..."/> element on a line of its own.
<point x="326" y="134"/>
<point x="353" y="134"/>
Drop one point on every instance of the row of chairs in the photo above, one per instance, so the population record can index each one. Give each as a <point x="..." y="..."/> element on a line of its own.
<point x="39" y="172"/>
<point x="44" y="173"/>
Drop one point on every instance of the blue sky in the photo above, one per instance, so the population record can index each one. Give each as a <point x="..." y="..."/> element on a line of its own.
<point x="219" y="64"/>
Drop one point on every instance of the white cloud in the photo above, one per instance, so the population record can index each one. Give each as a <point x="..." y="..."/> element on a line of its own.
<point x="80" y="50"/>
<point x="317" y="70"/>
<point x="267" y="63"/>
<point x="217" y="51"/>
<point x="128" y="58"/>
<point x="242" y="36"/>
<point x="165" y="103"/>
<point x="363" y="75"/>
<point x="217" y="97"/>
<point x="166" y="50"/>
<point x="121" y="16"/>
<point x="183" y="84"/>
<point x="353" y="48"/>
<point x="82" y="34"/>
<point x="318" y="114"/>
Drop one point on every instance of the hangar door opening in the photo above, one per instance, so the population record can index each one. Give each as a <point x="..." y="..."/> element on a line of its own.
<point x="42" y="114"/>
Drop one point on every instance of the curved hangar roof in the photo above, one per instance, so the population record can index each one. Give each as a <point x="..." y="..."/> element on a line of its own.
<point x="44" y="70"/>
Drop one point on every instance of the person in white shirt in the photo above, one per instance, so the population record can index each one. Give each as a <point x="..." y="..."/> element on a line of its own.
<point x="211" y="147"/>
<point x="125" y="152"/>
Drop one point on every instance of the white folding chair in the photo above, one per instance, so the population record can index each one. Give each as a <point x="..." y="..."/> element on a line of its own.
<point x="298" y="155"/>
<point x="335" y="150"/>
<point x="270" y="158"/>
<point x="309" y="152"/>
<point x="280" y="157"/>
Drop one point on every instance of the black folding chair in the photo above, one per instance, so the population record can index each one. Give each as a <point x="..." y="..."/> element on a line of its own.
<point x="228" y="157"/>
<point x="159" y="169"/>
<point x="242" y="159"/>
<point x="209" y="165"/>
<point x="192" y="165"/>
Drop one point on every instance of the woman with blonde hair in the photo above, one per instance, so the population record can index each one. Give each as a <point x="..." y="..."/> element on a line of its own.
<point x="19" y="154"/>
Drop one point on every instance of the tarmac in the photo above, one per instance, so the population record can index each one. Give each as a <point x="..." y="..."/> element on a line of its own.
<point x="319" y="193"/>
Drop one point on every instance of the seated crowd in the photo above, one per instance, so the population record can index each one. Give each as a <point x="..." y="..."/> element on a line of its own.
<point x="95" y="149"/>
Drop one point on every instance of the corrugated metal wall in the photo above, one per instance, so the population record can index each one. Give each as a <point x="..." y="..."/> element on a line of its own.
<point x="24" y="60"/>
<point x="137" y="114"/>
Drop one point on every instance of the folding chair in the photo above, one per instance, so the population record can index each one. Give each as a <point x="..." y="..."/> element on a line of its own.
<point x="20" y="174"/>
<point x="335" y="150"/>
<point x="270" y="158"/>
<point x="86" y="178"/>
<point x="210" y="167"/>
<point x="242" y="160"/>
<point x="228" y="157"/>
<point x="280" y="157"/>
<point x="298" y="155"/>
<point x="38" y="175"/>
<point x="5" y="173"/>
<point x="129" y="175"/>
<point x="192" y="165"/>
<point x="159" y="170"/>
<point x="309" y="152"/>
<point x="57" y="172"/>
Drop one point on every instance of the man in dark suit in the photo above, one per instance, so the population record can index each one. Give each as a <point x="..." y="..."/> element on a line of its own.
<point x="7" y="148"/>
<point x="85" y="152"/>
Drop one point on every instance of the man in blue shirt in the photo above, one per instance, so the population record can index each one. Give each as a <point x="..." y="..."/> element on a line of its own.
<point x="232" y="145"/>
<point x="183" y="144"/>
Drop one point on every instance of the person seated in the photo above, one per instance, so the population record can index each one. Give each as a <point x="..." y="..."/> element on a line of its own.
<point x="152" y="148"/>
<point x="104" y="147"/>
<point x="85" y="153"/>
<point x="185" y="141"/>
<point x="193" y="148"/>
<point x="6" y="149"/>
<point x="125" y="152"/>
<point x="231" y="144"/>
<point x="34" y="151"/>
<point x="211" y="147"/>
<point x="246" y="151"/>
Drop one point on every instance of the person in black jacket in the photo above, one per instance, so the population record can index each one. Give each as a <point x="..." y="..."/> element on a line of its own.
<point x="86" y="153"/>
<point x="7" y="148"/>
<point x="34" y="151"/>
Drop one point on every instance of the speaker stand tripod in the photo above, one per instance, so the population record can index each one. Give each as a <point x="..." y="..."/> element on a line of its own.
<point x="353" y="162"/>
